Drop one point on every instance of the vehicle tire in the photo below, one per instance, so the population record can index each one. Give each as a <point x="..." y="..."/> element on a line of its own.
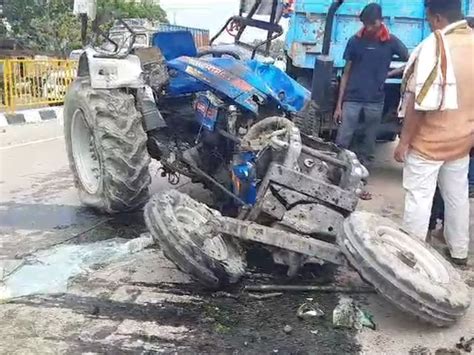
<point x="405" y="270"/>
<point x="106" y="147"/>
<point x="178" y="225"/>
<point x="305" y="81"/>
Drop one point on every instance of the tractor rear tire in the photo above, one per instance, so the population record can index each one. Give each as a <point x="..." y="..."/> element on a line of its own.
<point x="405" y="270"/>
<point x="305" y="81"/>
<point x="107" y="148"/>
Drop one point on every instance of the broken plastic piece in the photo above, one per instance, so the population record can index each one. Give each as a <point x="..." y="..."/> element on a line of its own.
<point x="348" y="315"/>
<point x="48" y="271"/>
<point x="309" y="310"/>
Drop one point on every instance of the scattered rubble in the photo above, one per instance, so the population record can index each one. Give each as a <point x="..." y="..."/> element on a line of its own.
<point x="309" y="310"/>
<point x="348" y="315"/>
<point x="265" y="296"/>
<point x="444" y="351"/>
<point x="308" y="288"/>
<point x="288" y="329"/>
<point x="465" y="344"/>
<point x="419" y="350"/>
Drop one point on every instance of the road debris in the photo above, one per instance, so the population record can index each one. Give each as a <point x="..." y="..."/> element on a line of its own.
<point x="288" y="329"/>
<point x="222" y="294"/>
<point x="444" y="351"/>
<point x="419" y="350"/>
<point x="305" y="288"/>
<point x="465" y="344"/>
<point x="348" y="315"/>
<point x="309" y="310"/>
<point x="314" y="332"/>
<point x="265" y="296"/>
<point x="48" y="271"/>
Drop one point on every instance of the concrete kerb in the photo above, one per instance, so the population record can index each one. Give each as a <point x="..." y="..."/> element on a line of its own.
<point x="31" y="116"/>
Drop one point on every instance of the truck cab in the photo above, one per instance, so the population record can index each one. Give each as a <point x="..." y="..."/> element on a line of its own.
<point x="308" y="34"/>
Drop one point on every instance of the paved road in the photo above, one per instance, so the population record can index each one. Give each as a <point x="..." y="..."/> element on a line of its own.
<point x="129" y="307"/>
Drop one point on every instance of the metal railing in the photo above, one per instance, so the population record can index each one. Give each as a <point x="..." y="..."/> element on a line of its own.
<point x="29" y="83"/>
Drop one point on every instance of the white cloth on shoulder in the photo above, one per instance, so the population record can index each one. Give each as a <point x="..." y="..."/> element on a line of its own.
<point x="429" y="74"/>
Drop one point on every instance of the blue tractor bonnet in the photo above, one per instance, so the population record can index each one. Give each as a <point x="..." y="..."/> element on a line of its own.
<point x="245" y="82"/>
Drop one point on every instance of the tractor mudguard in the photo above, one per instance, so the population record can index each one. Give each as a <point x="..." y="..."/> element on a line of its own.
<point x="112" y="73"/>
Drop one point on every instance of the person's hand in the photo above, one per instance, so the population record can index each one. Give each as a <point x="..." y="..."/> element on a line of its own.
<point x="396" y="72"/>
<point x="401" y="152"/>
<point x="338" y="114"/>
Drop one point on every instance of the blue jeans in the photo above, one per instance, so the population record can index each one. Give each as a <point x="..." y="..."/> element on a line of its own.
<point x="351" y="112"/>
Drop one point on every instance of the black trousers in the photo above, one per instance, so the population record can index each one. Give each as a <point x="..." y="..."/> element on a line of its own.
<point x="437" y="211"/>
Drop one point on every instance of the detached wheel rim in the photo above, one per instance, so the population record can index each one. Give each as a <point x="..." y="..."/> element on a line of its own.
<point x="84" y="153"/>
<point x="412" y="255"/>
<point x="404" y="269"/>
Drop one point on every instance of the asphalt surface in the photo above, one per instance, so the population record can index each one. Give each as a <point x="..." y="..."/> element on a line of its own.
<point x="143" y="303"/>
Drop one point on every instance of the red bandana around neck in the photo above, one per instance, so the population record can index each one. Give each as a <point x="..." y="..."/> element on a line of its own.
<point x="383" y="35"/>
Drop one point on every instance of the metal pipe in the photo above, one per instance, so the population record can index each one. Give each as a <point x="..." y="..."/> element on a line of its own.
<point x="270" y="34"/>
<point x="324" y="157"/>
<point x="250" y="15"/>
<point x="215" y="182"/>
<point x="305" y="288"/>
<point x="84" y="21"/>
<point x="329" y="24"/>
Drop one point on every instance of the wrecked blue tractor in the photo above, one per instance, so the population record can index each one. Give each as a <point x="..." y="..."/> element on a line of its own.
<point x="224" y="118"/>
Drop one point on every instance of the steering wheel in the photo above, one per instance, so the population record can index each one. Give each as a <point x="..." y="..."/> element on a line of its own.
<point x="233" y="28"/>
<point x="218" y="53"/>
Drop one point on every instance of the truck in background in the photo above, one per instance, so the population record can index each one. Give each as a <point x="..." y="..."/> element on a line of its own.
<point x="322" y="28"/>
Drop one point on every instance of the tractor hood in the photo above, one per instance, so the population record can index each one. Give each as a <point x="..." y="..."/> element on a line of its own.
<point x="248" y="83"/>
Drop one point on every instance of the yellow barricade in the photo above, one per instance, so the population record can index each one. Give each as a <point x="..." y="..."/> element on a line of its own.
<point x="29" y="83"/>
<point x="3" y="80"/>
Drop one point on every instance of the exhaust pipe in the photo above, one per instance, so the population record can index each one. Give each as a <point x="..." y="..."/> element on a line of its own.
<point x="329" y="23"/>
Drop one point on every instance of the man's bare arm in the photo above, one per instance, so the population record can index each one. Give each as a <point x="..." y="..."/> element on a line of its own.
<point x="396" y="72"/>
<point x="409" y="130"/>
<point x="342" y="91"/>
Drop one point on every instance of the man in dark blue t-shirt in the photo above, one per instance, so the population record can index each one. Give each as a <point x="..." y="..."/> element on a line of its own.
<point x="368" y="56"/>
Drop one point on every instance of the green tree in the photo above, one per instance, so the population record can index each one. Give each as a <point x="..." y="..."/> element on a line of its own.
<point x="131" y="9"/>
<point x="50" y="25"/>
<point x="3" y="29"/>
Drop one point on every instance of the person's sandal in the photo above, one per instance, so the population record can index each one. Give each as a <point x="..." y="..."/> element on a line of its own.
<point x="365" y="195"/>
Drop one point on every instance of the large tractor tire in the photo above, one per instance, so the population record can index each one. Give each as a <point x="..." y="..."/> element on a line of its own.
<point x="179" y="225"/>
<point x="405" y="270"/>
<point x="107" y="148"/>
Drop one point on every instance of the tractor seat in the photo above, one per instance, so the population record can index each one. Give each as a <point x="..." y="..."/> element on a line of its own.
<point x="175" y="44"/>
